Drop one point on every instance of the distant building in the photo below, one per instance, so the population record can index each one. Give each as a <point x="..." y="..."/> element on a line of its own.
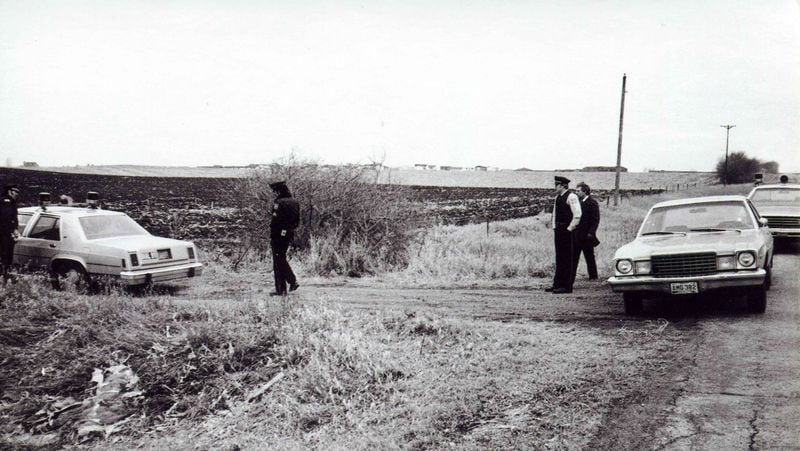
<point x="603" y="169"/>
<point x="451" y="168"/>
<point x="425" y="167"/>
<point x="30" y="164"/>
<point x="481" y="168"/>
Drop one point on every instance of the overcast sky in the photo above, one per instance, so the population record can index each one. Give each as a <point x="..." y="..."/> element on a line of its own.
<point x="510" y="84"/>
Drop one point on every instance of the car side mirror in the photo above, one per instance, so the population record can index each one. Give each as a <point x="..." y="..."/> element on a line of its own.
<point x="763" y="222"/>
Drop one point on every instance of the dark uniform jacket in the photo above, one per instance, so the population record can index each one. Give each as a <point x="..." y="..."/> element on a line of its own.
<point x="590" y="219"/>
<point x="285" y="216"/>
<point x="8" y="215"/>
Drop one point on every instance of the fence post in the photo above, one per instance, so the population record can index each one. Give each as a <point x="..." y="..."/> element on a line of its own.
<point x="487" y="225"/>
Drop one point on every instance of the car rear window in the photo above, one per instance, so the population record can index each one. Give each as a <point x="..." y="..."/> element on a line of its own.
<point x="97" y="227"/>
<point x="706" y="215"/>
<point x="22" y="220"/>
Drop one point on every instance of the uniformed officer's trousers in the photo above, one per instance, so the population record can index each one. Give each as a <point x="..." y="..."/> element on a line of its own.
<point x="565" y="249"/>
<point x="280" y="264"/>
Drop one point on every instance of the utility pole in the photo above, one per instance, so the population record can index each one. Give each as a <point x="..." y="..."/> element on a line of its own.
<point x="727" y="135"/>
<point x="619" y="141"/>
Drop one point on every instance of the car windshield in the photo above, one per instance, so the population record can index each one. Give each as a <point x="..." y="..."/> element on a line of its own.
<point x="776" y="196"/>
<point x="107" y="226"/>
<point x="699" y="217"/>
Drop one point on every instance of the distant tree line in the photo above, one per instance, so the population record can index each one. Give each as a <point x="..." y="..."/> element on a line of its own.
<point x="741" y="168"/>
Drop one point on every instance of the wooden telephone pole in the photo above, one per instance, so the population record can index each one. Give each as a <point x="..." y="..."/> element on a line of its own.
<point x="619" y="141"/>
<point x="727" y="136"/>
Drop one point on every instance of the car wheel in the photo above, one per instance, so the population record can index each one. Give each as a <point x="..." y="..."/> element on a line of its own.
<point x="757" y="299"/>
<point x="633" y="303"/>
<point x="71" y="275"/>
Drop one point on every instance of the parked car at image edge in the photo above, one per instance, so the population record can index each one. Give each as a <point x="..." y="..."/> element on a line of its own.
<point x="780" y="206"/>
<point x="89" y="241"/>
<point x="698" y="245"/>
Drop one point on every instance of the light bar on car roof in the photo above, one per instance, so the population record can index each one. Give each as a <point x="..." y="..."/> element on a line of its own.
<point x="92" y="199"/>
<point x="44" y="199"/>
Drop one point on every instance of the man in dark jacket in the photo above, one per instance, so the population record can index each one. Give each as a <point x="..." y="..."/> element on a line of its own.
<point x="285" y="218"/>
<point x="566" y="216"/>
<point x="8" y="228"/>
<point x="586" y="233"/>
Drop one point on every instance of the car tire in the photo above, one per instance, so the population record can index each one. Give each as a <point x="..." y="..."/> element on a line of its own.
<point x="72" y="273"/>
<point x="757" y="299"/>
<point x="768" y="278"/>
<point x="633" y="303"/>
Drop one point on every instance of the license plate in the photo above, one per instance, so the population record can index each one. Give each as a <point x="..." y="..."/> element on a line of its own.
<point x="683" y="287"/>
<point x="164" y="254"/>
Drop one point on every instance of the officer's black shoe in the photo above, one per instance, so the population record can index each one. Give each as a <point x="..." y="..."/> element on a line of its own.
<point x="561" y="290"/>
<point x="593" y="278"/>
<point x="549" y="289"/>
<point x="276" y="293"/>
<point x="294" y="286"/>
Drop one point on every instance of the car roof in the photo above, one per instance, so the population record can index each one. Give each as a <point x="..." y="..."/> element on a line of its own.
<point x="778" y="186"/>
<point x="699" y="200"/>
<point x="72" y="211"/>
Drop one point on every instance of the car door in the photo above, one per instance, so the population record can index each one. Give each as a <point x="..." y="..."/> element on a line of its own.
<point x="41" y="243"/>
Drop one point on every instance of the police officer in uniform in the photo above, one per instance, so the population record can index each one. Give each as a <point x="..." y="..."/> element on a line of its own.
<point x="8" y="228"/>
<point x="566" y="216"/>
<point x="285" y="218"/>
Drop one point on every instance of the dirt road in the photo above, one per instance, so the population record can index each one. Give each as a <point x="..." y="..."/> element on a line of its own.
<point x="735" y="381"/>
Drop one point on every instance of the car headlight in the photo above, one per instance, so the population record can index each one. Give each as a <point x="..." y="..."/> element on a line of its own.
<point x="726" y="263"/>
<point x="624" y="266"/>
<point x="642" y="267"/>
<point x="746" y="259"/>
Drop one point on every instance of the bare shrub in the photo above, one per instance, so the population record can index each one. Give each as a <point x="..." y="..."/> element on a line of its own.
<point x="348" y="224"/>
<point x="739" y="168"/>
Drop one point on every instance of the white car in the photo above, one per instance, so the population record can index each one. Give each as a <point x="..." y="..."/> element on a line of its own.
<point x="90" y="241"/>
<point x="697" y="245"/>
<point x="780" y="206"/>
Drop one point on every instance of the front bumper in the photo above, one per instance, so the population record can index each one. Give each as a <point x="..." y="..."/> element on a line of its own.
<point x="144" y="275"/>
<point x="704" y="283"/>
<point x="784" y="232"/>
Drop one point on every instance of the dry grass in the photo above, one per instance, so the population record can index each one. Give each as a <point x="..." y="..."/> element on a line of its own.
<point x="352" y="378"/>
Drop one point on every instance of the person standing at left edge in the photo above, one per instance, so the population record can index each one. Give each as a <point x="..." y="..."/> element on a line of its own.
<point x="8" y="228"/>
<point x="566" y="216"/>
<point x="285" y="219"/>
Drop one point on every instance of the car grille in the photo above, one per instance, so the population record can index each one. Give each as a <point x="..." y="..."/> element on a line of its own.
<point x="684" y="265"/>
<point x="786" y="222"/>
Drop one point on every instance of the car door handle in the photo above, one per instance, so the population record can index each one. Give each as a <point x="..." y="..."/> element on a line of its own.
<point x="52" y="245"/>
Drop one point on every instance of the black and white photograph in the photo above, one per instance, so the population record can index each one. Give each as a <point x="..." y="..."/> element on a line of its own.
<point x="399" y="224"/>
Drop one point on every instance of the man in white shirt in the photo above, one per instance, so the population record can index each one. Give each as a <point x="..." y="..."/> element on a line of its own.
<point x="566" y="216"/>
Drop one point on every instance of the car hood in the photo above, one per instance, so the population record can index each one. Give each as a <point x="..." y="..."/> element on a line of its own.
<point x="718" y="242"/>
<point x="138" y="242"/>
<point x="779" y="210"/>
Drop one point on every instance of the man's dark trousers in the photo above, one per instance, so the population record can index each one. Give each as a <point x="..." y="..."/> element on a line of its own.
<point x="565" y="249"/>
<point x="6" y="252"/>
<point x="280" y="265"/>
<point x="588" y="254"/>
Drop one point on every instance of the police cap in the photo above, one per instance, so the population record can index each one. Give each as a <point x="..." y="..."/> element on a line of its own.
<point x="278" y="186"/>
<point x="562" y="180"/>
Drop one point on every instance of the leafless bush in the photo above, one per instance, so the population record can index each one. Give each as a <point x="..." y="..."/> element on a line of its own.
<point x="351" y="224"/>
